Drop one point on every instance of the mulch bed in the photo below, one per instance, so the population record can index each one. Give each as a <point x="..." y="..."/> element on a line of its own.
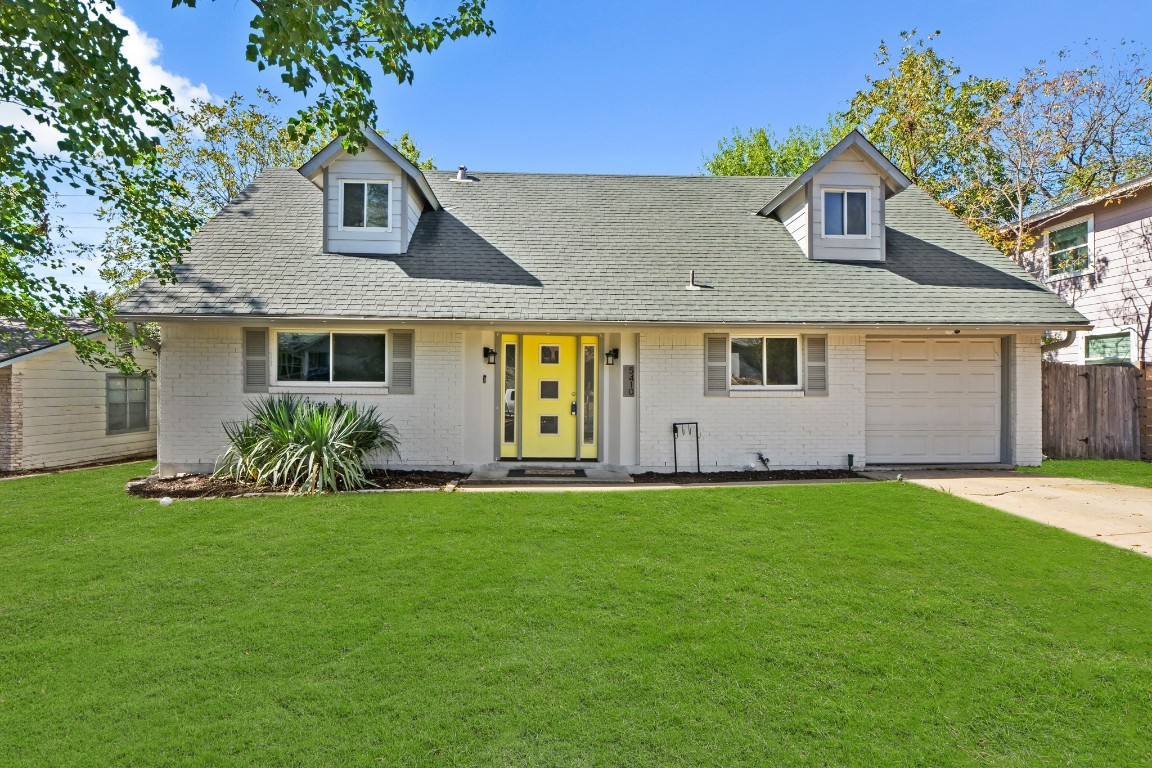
<point x="689" y="478"/>
<point x="208" y="487"/>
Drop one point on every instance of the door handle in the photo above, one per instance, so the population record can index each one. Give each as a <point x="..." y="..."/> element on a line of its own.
<point x="573" y="407"/>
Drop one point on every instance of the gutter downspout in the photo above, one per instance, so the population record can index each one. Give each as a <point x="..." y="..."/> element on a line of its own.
<point x="1064" y="343"/>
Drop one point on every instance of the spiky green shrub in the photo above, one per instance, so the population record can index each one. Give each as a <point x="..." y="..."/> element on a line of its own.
<point x="304" y="445"/>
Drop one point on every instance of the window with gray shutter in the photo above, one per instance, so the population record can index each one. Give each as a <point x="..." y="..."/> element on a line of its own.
<point x="715" y="364"/>
<point x="816" y="378"/>
<point x="403" y="362"/>
<point x="255" y="359"/>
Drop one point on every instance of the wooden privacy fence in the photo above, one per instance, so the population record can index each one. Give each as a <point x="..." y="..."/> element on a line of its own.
<point x="1093" y="411"/>
<point x="1144" y="391"/>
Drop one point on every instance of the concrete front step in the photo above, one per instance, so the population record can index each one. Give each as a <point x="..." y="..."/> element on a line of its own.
<point x="547" y="473"/>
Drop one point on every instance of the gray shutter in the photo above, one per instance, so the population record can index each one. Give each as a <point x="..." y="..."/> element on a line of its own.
<point x="715" y="364"/>
<point x="403" y="362"/>
<point x="816" y="380"/>
<point x="255" y="359"/>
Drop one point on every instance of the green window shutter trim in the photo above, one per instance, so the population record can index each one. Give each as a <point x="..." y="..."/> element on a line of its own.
<point x="403" y="348"/>
<point x="715" y="364"/>
<point x="255" y="359"/>
<point x="816" y="365"/>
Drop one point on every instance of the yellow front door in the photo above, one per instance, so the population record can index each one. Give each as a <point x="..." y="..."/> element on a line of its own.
<point x="549" y="404"/>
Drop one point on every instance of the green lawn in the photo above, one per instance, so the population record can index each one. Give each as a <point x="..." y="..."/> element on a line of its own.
<point x="830" y="625"/>
<point x="1106" y="470"/>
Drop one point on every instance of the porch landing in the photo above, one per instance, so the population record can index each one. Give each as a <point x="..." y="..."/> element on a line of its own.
<point x="568" y="473"/>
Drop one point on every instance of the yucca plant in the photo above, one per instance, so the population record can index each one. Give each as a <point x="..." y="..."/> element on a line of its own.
<point x="305" y="446"/>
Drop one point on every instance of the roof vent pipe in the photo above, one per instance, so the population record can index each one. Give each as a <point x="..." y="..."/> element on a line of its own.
<point x="692" y="286"/>
<point x="462" y="173"/>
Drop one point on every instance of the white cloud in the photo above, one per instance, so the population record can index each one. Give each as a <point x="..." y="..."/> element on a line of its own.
<point x="143" y="52"/>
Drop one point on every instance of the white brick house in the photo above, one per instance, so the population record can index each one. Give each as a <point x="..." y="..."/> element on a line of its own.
<point x="522" y="317"/>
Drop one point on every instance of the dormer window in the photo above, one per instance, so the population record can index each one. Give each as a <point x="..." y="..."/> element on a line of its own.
<point x="845" y="213"/>
<point x="365" y="205"/>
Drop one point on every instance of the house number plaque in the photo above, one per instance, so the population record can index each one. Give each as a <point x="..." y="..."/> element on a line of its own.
<point x="629" y="381"/>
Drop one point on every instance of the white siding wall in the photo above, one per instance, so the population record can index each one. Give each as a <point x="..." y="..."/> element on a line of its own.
<point x="200" y="386"/>
<point x="793" y="430"/>
<point x="1122" y="239"/>
<point x="415" y="207"/>
<point x="369" y="165"/>
<point x="794" y="214"/>
<point x="64" y="412"/>
<point x="849" y="171"/>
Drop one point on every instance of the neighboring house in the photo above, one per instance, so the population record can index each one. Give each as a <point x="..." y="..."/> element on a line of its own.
<point x="513" y="316"/>
<point x="1096" y="253"/>
<point x="56" y="411"/>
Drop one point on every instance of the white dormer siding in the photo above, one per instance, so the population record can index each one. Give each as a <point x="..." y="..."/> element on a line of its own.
<point x="851" y="170"/>
<point x="848" y="172"/>
<point x="794" y="214"/>
<point x="369" y="166"/>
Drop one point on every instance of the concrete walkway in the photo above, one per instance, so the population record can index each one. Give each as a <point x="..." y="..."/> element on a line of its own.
<point x="1120" y="515"/>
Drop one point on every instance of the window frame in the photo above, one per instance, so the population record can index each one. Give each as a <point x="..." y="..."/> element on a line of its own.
<point x="1090" y="244"/>
<point x="1109" y="334"/>
<point x="799" y="385"/>
<point x="340" y="213"/>
<point x="330" y="384"/>
<point x="842" y="191"/>
<point x="147" y="427"/>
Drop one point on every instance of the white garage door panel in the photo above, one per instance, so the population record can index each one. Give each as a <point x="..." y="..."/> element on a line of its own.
<point x="932" y="400"/>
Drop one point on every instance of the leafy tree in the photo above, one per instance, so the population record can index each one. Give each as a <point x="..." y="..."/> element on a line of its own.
<point x="1068" y="133"/>
<point x="62" y="65"/>
<point x="407" y="147"/>
<point x="934" y="124"/>
<point x="760" y="153"/>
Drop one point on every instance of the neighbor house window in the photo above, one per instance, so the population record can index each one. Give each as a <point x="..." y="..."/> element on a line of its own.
<point x="1070" y="249"/>
<point x="127" y="403"/>
<point x="846" y="213"/>
<point x="332" y="357"/>
<point x="364" y="205"/>
<point x="1109" y="348"/>
<point x="758" y="361"/>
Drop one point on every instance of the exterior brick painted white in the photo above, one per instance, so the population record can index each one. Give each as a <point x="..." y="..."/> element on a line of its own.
<point x="201" y="387"/>
<point x="792" y="429"/>
<point x="450" y="421"/>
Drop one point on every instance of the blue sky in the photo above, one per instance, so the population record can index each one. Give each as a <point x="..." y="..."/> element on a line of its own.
<point x="638" y="87"/>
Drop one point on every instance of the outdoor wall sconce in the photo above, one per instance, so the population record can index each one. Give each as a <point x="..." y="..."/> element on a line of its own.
<point x="611" y="356"/>
<point x="489" y="355"/>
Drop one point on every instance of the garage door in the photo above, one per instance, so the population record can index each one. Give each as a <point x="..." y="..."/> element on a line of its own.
<point x="933" y="400"/>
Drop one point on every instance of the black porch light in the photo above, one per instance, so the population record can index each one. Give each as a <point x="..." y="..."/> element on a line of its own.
<point x="489" y="355"/>
<point x="611" y="356"/>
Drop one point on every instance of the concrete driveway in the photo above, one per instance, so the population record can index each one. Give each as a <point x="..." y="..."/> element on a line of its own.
<point x="1120" y="515"/>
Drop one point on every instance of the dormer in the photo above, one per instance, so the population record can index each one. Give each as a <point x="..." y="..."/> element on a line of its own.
<point x="835" y="209"/>
<point x="372" y="200"/>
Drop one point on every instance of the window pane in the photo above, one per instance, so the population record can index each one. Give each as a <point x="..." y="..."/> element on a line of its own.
<point x="378" y="205"/>
<point x="117" y="417"/>
<point x="549" y="425"/>
<point x="117" y="384"/>
<point x="781" y="357"/>
<point x="137" y="389"/>
<point x="353" y="205"/>
<point x="550" y="354"/>
<point x="857" y="205"/>
<point x="833" y="213"/>
<point x="747" y="361"/>
<point x="509" y="393"/>
<point x="358" y="357"/>
<point x="138" y="415"/>
<point x="1071" y="260"/>
<point x="1114" y="347"/>
<point x="302" y="356"/>
<point x="589" y="395"/>
<point x="549" y="390"/>
<point x="1069" y="237"/>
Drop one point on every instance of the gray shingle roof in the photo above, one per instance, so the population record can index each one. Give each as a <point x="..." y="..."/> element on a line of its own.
<point x="594" y="248"/>
<point x="17" y="339"/>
